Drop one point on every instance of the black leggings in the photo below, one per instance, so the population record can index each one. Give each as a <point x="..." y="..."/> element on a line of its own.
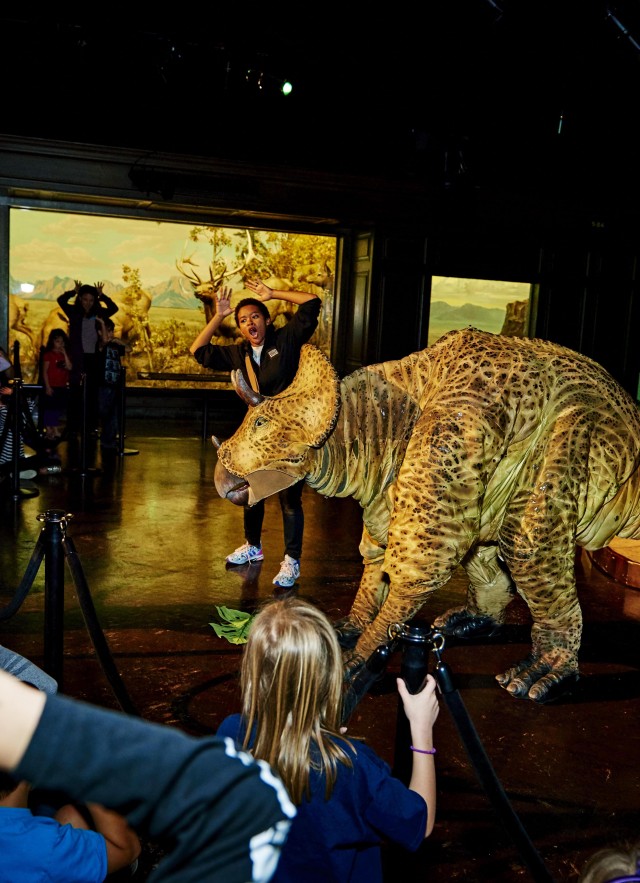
<point x="292" y="520"/>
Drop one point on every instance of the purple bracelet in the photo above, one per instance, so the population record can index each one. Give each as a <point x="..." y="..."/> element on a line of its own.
<point x="424" y="750"/>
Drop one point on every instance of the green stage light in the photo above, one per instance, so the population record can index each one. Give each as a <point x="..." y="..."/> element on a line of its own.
<point x="286" y="88"/>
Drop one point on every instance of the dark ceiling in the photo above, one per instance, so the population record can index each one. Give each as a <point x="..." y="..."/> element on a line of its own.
<point x="522" y="95"/>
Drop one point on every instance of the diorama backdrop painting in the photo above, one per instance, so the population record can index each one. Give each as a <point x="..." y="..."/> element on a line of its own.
<point x="499" y="307"/>
<point x="161" y="275"/>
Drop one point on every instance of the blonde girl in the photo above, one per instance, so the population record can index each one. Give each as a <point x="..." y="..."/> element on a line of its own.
<point x="348" y="802"/>
<point x="614" y="864"/>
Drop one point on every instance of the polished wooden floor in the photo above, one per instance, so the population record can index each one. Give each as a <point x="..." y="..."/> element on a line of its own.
<point x="151" y="536"/>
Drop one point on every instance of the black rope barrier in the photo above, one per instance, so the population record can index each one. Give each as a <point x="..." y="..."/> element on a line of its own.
<point x="56" y="547"/>
<point x="30" y="573"/>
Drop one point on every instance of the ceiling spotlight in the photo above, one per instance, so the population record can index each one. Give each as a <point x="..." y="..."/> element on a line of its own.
<point x="262" y="81"/>
<point x="255" y="78"/>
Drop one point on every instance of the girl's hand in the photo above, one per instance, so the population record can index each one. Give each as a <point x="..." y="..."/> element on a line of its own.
<point x="421" y="708"/>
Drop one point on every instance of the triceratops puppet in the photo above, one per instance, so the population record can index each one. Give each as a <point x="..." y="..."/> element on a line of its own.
<point x="498" y="453"/>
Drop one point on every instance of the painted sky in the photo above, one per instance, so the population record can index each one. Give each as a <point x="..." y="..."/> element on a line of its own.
<point x="93" y="248"/>
<point x="485" y="292"/>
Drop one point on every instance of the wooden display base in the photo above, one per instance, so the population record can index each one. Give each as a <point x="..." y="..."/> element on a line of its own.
<point x="620" y="560"/>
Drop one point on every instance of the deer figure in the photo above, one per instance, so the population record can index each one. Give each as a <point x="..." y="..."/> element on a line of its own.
<point x="19" y="324"/>
<point x="323" y="278"/>
<point x="18" y="315"/>
<point x="205" y="289"/>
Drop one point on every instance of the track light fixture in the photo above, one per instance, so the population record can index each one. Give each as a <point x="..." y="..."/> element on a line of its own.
<point x="268" y="83"/>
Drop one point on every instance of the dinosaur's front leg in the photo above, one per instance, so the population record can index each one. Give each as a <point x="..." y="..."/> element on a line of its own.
<point x="372" y="592"/>
<point x="435" y="515"/>
<point x="400" y="607"/>
<point x="375" y="608"/>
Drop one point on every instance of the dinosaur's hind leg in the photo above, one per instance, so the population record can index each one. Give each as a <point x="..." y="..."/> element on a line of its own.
<point x="556" y="633"/>
<point x="538" y="541"/>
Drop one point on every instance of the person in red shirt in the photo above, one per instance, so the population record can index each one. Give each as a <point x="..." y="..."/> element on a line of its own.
<point x="56" y="367"/>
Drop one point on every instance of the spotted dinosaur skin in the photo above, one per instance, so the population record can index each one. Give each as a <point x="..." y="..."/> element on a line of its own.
<point x="499" y="454"/>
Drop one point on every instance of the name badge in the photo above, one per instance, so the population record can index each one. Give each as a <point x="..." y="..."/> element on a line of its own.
<point x="272" y="353"/>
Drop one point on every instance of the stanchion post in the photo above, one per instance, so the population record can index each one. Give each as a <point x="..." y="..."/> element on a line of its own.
<point x="16" y="417"/>
<point x="85" y="469"/>
<point x="413" y="670"/>
<point x="55" y="522"/>
<point x="122" y="451"/>
<point x="205" y="414"/>
<point x="16" y="414"/>
<point x="416" y="640"/>
<point x="15" y="420"/>
<point x="121" y="410"/>
<point x="83" y="424"/>
<point x="17" y="367"/>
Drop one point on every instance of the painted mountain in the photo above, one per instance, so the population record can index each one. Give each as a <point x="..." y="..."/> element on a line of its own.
<point x="443" y="317"/>
<point x="173" y="294"/>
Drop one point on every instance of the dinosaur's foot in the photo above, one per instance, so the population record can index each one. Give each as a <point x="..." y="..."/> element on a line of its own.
<point x="353" y="666"/>
<point x="355" y="684"/>
<point x="348" y="633"/>
<point x="460" y="623"/>
<point x="539" y="679"/>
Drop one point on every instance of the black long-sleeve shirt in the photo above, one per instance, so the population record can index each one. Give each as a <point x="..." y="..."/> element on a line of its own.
<point x="280" y="353"/>
<point x="83" y="358"/>
<point x="224" y="815"/>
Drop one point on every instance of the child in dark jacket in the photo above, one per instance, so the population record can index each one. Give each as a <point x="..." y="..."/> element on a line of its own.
<point x="111" y="351"/>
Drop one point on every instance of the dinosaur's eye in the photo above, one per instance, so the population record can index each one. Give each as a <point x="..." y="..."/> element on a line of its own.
<point x="260" y="421"/>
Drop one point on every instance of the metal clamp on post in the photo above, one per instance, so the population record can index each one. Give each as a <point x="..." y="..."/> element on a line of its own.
<point x="416" y="640"/>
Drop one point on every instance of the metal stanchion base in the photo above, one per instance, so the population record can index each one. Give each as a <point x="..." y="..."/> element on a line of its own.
<point x="87" y="471"/>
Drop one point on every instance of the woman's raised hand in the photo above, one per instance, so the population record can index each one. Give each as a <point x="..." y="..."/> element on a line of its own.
<point x="223" y="301"/>
<point x="262" y="291"/>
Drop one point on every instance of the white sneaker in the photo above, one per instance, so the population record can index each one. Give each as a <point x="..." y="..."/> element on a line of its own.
<point x="245" y="554"/>
<point x="288" y="574"/>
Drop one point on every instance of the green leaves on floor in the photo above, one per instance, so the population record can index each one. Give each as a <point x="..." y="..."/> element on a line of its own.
<point x="235" y="627"/>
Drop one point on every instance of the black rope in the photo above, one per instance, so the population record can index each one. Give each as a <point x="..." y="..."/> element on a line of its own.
<point x="93" y="627"/>
<point x="53" y="541"/>
<point x="27" y="581"/>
